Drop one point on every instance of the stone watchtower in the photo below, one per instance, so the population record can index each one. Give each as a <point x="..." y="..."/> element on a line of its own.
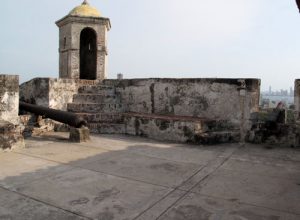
<point x="83" y="43"/>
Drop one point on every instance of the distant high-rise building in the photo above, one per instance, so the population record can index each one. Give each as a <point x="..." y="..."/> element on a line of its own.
<point x="270" y="90"/>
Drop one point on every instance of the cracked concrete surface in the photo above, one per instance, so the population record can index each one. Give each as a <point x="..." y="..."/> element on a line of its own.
<point x="120" y="177"/>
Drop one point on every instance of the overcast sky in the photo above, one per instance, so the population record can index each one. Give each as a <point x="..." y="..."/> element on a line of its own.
<point x="164" y="38"/>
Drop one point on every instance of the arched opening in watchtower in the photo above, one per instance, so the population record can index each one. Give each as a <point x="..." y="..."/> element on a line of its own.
<point x="88" y="54"/>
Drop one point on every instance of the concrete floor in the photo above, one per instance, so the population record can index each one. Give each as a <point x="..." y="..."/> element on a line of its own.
<point x="120" y="177"/>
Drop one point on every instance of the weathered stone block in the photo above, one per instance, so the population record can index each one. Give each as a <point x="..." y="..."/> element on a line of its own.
<point x="10" y="136"/>
<point x="79" y="134"/>
<point x="9" y="98"/>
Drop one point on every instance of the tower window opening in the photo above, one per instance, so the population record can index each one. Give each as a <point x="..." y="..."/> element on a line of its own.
<point x="65" y="42"/>
<point x="88" y="54"/>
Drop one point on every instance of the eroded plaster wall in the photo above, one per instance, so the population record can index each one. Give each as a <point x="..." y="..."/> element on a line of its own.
<point x="52" y="92"/>
<point x="49" y="92"/>
<point x="10" y="131"/>
<point x="207" y="98"/>
<point x="35" y="91"/>
<point x="9" y="98"/>
<point x="61" y="92"/>
<point x="229" y="99"/>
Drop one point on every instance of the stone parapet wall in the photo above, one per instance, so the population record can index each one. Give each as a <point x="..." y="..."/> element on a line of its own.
<point x="61" y="93"/>
<point x="36" y="91"/>
<point x="181" y="128"/>
<point x="9" y="98"/>
<point x="52" y="92"/>
<point x="10" y="130"/>
<point x="223" y="99"/>
<point x="231" y="100"/>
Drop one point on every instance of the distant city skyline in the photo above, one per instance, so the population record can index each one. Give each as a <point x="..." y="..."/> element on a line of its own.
<point x="280" y="92"/>
<point x="170" y="38"/>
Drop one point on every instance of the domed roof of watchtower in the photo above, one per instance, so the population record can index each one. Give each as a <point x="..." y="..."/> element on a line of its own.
<point x="85" y="10"/>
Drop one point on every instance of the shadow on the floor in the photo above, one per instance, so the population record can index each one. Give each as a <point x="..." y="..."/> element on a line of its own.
<point x="106" y="185"/>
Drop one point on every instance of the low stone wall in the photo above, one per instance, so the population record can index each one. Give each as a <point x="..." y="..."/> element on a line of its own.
<point x="9" y="98"/>
<point x="222" y="99"/>
<point x="180" y="128"/>
<point x="10" y="131"/>
<point x="232" y="100"/>
<point x="51" y="92"/>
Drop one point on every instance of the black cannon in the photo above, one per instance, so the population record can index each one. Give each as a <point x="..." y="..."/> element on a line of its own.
<point x="57" y="115"/>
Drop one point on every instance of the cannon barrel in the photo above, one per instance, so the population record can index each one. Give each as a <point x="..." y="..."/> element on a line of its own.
<point x="57" y="115"/>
